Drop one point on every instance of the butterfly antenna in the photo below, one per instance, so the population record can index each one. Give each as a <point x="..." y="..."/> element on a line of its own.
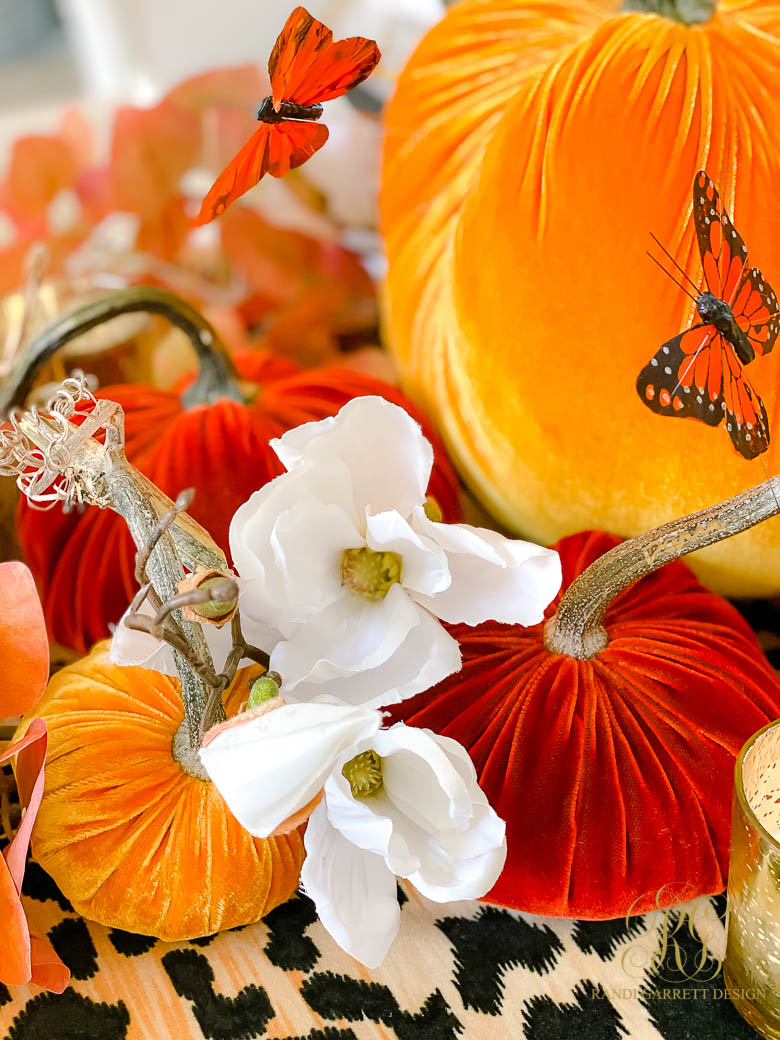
<point x="682" y="271"/>
<point x="670" y="275"/>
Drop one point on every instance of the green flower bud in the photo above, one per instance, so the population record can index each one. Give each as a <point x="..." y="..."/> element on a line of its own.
<point x="214" y="608"/>
<point x="263" y="689"/>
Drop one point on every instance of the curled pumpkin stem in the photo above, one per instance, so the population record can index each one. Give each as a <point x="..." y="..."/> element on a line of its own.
<point x="577" y="629"/>
<point x="216" y="378"/>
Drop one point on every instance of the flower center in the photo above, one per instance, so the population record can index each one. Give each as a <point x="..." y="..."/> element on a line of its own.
<point x="364" y="773"/>
<point x="369" y="573"/>
<point x="432" y="510"/>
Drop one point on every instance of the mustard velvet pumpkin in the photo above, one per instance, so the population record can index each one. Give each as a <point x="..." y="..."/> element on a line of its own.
<point x="532" y="148"/>
<point x="131" y="840"/>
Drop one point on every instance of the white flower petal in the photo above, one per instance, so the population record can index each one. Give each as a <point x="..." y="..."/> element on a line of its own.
<point x="308" y="542"/>
<point x="493" y="577"/>
<point x="421" y="780"/>
<point x="430" y="821"/>
<point x="370" y="823"/>
<point x="424" y="568"/>
<point x="364" y="655"/>
<point x="353" y="891"/>
<point x="324" y="483"/>
<point x="445" y="877"/>
<point x="270" y="766"/>
<point x="387" y="455"/>
<point x="130" y="647"/>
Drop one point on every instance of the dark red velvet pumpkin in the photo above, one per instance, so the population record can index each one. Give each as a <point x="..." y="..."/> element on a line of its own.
<point x="84" y="563"/>
<point x="614" y="774"/>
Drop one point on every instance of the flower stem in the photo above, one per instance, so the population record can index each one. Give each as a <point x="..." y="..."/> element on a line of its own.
<point x="576" y="629"/>
<point x="688" y="12"/>
<point x="216" y="378"/>
<point x="99" y="474"/>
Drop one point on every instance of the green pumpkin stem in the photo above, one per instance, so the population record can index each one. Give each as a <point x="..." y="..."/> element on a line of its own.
<point x="687" y="12"/>
<point x="577" y="630"/>
<point x="216" y="378"/>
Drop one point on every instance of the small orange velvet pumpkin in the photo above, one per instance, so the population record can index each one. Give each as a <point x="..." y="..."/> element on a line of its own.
<point x="132" y="840"/>
<point x="532" y="147"/>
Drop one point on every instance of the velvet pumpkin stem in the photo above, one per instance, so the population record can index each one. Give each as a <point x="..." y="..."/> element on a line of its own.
<point x="577" y="630"/>
<point x="688" y="12"/>
<point x="216" y="378"/>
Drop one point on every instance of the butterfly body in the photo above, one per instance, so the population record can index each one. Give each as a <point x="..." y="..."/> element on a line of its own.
<point x="700" y="374"/>
<point x="268" y="112"/>
<point x="713" y="311"/>
<point x="307" y="66"/>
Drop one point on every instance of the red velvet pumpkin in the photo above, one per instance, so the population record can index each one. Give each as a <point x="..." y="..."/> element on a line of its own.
<point x="84" y="563"/>
<point x="615" y="773"/>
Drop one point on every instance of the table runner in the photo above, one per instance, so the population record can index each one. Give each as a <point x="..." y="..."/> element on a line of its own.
<point x="462" y="970"/>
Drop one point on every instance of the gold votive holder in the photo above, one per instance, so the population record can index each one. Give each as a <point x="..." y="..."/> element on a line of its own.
<point x="751" y="969"/>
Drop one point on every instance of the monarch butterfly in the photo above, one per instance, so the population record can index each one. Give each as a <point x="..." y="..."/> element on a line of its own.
<point x="306" y="68"/>
<point x="699" y="374"/>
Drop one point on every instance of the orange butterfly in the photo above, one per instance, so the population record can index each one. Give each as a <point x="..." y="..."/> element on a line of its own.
<point x="306" y="68"/>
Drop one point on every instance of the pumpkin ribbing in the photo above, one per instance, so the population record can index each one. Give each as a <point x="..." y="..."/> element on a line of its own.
<point x="131" y="840"/>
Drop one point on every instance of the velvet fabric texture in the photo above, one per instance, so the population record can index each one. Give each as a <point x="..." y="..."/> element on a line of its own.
<point x="84" y="563"/>
<point x="531" y="148"/>
<point x="131" y="840"/>
<point x="614" y="774"/>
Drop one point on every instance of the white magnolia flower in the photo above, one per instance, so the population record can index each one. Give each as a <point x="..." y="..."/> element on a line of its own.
<point x="270" y="762"/>
<point x="402" y="803"/>
<point x="344" y="575"/>
<point x="340" y="555"/>
<point x="399" y="802"/>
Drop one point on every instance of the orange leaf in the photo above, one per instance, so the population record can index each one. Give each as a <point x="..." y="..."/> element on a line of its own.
<point x="40" y="167"/>
<point x="151" y="149"/>
<point x="24" y="648"/>
<point x="25" y="956"/>
<point x="242" y="87"/>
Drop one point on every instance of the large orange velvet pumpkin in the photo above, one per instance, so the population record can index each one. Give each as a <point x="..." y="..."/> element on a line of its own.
<point x="614" y="773"/>
<point x="83" y="563"/>
<point x="532" y="147"/>
<point x="132" y="840"/>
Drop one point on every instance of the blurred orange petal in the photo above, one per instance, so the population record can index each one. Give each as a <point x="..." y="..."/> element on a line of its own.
<point x="24" y="648"/>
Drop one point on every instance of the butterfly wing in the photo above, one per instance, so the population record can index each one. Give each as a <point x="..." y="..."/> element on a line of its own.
<point x="723" y="252"/>
<point x="697" y="375"/>
<point x="746" y="420"/>
<point x="307" y="67"/>
<point x="755" y="311"/>
<point x="274" y="148"/>
<point x="682" y="378"/>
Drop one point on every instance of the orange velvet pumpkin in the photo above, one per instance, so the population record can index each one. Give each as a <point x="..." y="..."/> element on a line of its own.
<point x="614" y="774"/>
<point x="531" y="149"/>
<point x="84" y="562"/>
<point x="132" y="840"/>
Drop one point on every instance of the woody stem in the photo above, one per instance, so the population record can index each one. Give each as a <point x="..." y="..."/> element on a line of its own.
<point x="577" y="629"/>
<point x="216" y="378"/>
